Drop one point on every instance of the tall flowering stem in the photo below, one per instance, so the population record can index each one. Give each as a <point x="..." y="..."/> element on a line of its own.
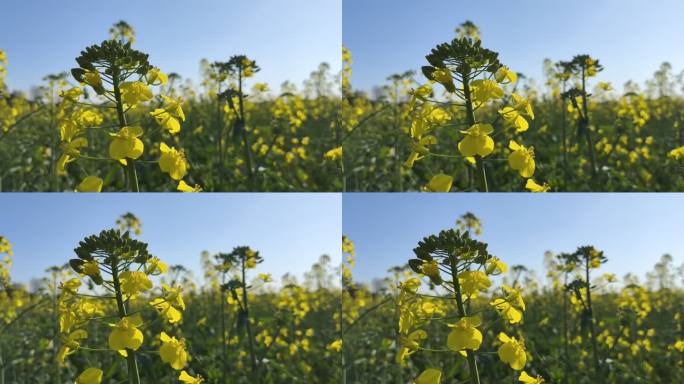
<point x="472" y="363"/>
<point x="462" y="266"/>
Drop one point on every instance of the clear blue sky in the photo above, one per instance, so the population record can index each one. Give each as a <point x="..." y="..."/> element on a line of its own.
<point x="290" y="230"/>
<point x="634" y="230"/>
<point x="630" y="37"/>
<point x="288" y="39"/>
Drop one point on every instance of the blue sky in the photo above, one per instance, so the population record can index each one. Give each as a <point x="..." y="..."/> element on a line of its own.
<point x="634" y="230"/>
<point x="630" y="37"/>
<point x="290" y="230"/>
<point x="288" y="39"/>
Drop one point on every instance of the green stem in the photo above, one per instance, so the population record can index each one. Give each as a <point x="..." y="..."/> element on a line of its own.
<point x="131" y="175"/>
<point x="224" y="347"/>
<point x="131" y="361"/>
<point x="566" y="342"/>
<point x="243" y="131"/>
<point x="472" y="363"/>
<point x="592" y="330"/>
<point x="564" y="138"/>
<point x="219" y="128"/>
<point x="587" y="133"/>
<point x="248" y="325"/>
<point x="481" y="173"/>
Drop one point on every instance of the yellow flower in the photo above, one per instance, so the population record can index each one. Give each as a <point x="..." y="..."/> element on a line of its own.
<point x="168" y="116"/>
<point x="521" y="159"/>
<point x="156" y="77"/>
<point x="439" y="183"/>
<point x="71" y="151"/>
<point x="507" y="310"/>
<point x="473" y="281"/>
<point x="465" y="335"/>
<point x="93" y="79"/>
<point x="420" y="149"/>
<point x="515" y="119"/>
<point x="173" y="162"/>
<point x="532" y="186"/>
<point x="90" y="184"/>
<point x="173" y="295"/>
<point x="70" y="343"/>
<point x="184" y="187"/>
<point x="187" y="379"/>
<point x="429" y="376"/>
<point x="676" y="154"/>
<point x="91" y="268"/>
<point x="155" y="266"/>
<point x="171" y="314"/>
<point x="71" y="94"/>
<point x="411" y="285"/>
<point x="265" y="277"/>
<point x="133" y="282"/>
<point x="431" y="270"/>
<point x="166" y="121"/>
<point x="409" y="344"/>
<point x="174" y="107"/>
<point x="423" y="91"/>
<point x="527" y="379"/>
<point x="134" y="92"/>
<point x="87" y="117"/>
<point x="125" y="334"/>
<point x="443" y="76"/>
<point x="126" y="143"/>
<point x="70" y="286"/>
<point x="512" y="352"/>
<point x="495" y="266"/>
<point x="335" y="345"/>
<point x="477" y="141"/>
<point x="523" y="105"/>
<point x="505" y="76"/>
<point x="334" y="154"/>
<point x="90" y="376"/>
<point x="172" y="351"/>
<point x="679" y="345"/>
<point x="485" y="90"/>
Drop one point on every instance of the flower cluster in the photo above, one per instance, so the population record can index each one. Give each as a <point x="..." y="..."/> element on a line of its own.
<point x="472" y="78"/>
<point x="121" y="78"/>
<point x="461" y="267"/>
<point x="118" y="268"/>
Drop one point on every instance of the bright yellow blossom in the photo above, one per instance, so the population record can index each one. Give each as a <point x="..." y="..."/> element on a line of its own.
<point x="532" y="186"/>
<point x="429" y="376"/>
<point x="90" y="184"/>
<point x="439" y="183"/>
<point x="184" y="187"/>
<point x="126" y="143"/>
<point x="172" y="351"/>
<point x="156" y="77"/>
<point x="485" y="90"/>
<point x="134" y="282"/>
<point x="527" y="379"/>
<point x="334" y="154"/>
<point x="477" y="141"/>
<point x="521" y="159"/>
<point x="512" y="352"/>
<point x="465" y="335"/>
<point x="90" y="376"/>
<point x="187" y="379"/>
<point x="134" y="92"/>
<point x="173" y="162"/>
<point x="473" y="282"/>
<point x="125" y="334"/>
